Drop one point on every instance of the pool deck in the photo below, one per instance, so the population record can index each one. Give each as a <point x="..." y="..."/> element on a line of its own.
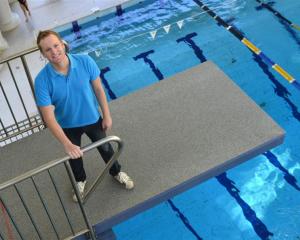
<point x="178" y="133"/>
<point x="48" y="14"/>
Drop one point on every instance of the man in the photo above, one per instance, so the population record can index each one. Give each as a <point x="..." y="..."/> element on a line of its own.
<point x="69" y="92"/>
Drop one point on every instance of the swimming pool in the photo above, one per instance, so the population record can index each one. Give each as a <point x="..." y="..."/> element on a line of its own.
<point x="259" y="199"/>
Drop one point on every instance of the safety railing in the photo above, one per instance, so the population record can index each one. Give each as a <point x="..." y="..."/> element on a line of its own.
<point x="13" y="214"/>
<point x="16" y="119"/>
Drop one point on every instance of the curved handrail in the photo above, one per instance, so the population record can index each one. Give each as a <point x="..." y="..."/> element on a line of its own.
<point x="61" y="160"/>
<point x="64" y="160"/>
<point x="106" y="169"/>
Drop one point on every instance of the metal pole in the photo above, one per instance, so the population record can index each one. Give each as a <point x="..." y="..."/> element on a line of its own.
<point x="3" y="128"/>
<point x="61" y="202"/>
<point x="19" y="93"/>
<point x="73" y="182"/>
<point x="45" y="207"/>
<point x="28" y="212"/>
<point x="10" y="109"/>
<point x="30" y="81"/>
<point x="106" y="169"/>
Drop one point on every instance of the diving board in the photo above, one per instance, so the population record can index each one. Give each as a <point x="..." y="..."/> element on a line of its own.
<point x="178" y="133"/>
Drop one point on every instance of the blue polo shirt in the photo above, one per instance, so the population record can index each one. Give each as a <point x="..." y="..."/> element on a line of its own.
<point x="72" y="95"/>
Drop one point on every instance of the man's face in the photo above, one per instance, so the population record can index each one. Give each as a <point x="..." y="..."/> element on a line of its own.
<point x="53" y="49"/>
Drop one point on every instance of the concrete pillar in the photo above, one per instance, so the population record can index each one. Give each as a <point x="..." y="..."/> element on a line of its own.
<point x="8" y="19"/>
<point x="3" y="43"/>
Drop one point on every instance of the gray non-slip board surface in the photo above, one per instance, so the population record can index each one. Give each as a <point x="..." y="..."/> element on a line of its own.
<point x="177" y="133"/>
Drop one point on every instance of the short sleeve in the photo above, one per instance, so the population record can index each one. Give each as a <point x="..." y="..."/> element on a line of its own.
<point x="93" y="69"/>
<point x="42" y="92"/>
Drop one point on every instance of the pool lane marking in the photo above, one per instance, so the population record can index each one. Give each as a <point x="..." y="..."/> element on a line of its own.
<point x="259" y="227"/>
<point x="148" y="61"/>
<point x="278" y="14"/>
<point x="110" y="92"/>
<point x="280" y="90"/>
<point x="184" y="219"/>
<point x="250" y="45"/>
<point x="189" y="41"/>
<point x="289" y="178"/>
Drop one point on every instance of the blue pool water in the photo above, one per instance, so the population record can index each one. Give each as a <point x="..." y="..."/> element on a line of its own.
<point x="259" y="199"/>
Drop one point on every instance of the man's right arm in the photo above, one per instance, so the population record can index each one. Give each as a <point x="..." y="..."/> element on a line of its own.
<point x="72" y="150"/>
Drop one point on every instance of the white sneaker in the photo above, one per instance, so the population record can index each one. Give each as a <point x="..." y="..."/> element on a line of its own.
<point x="80" y="187"/>
<point x="123" y="178"/>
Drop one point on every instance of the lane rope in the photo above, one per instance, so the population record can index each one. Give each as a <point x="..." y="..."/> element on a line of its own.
<point x="278" y="14"/>
<point x="250" y="45"/>
<point x="126" y="40"/>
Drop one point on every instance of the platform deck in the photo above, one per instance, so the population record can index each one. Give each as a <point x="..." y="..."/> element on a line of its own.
<point x="178" y="133"/>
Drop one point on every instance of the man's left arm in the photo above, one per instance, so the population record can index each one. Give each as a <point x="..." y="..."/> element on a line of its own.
<point x="102" y="100"/>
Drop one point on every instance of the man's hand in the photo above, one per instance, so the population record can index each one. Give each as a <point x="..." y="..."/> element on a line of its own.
<point x="106" y="123"/>
<point x="73" y="151"/>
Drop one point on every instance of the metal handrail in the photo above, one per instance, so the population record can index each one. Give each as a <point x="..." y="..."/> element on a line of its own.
<point x="55" y="162"/>
<point x="30" y="82"/>
<point x="64" y="160"/>
<point x="20" y="54"/>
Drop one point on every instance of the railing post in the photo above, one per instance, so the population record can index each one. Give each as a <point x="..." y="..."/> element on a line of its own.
<point x="28" y="212"/>
<point x="19" y="93"/>
<point x="30" y="81"/>
<point x="73" y="182"/>
<point x="61" y="202"/>
<point x="104" y="172"/>
<point x="45" y="207"/>
<point x="3" y="128"/>
<point x="27" y="72"/>
<point x="9" y="107"/>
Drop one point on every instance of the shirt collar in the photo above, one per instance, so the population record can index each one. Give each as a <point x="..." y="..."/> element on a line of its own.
<point x="54" y="73"/>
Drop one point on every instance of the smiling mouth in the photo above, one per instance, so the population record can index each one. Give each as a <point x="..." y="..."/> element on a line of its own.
<point x="56" y="56"/>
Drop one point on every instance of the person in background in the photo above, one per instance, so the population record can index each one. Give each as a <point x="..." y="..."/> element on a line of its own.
<point x="25" y="9"/>
<point x="69" y="92"/>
